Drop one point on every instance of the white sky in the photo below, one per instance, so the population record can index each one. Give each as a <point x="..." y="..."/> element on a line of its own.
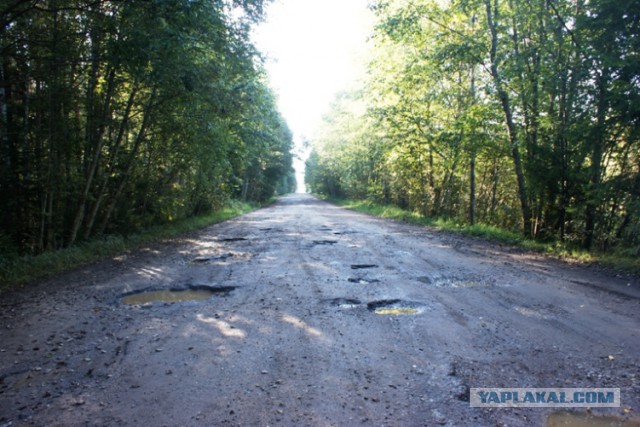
<point x="314" y="49"/>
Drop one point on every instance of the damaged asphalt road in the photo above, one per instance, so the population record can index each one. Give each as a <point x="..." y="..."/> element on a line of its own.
<point x="313" y="315"/>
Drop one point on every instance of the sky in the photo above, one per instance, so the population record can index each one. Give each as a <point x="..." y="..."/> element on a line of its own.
<point x="314" y="49"/>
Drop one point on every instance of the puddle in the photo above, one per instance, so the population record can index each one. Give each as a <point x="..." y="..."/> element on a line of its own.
<point x="362" y="281"/>
<point x="362" y="266"/>
<point x="344" y="302"/>
<point x="395" y="307"/>
<point x="194" y="293"/>
<point x="581" y="419"/>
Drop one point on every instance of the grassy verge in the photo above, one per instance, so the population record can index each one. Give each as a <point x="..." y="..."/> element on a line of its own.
<point x="20" y="270"/>
<point x="613" y="260"/>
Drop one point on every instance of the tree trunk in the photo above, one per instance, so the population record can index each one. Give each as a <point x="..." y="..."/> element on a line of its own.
<point x="472" y="161"/>
<point x="142" y="133"/>
<point x="116" y="145"/>
<point x="596" y="162"/>
<point x="494" y="191"/>
<point x="635" y="197"/>
<point x="511" y="127"/>
<point x="95" y="142"/>
<point x="472" y="189"/>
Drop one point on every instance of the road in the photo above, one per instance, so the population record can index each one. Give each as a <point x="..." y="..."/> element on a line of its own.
<point x="320" y="317"/>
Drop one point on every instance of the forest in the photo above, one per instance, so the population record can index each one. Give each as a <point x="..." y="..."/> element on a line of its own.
<point x="519" y="114"/>
<point x="123" y="114"/>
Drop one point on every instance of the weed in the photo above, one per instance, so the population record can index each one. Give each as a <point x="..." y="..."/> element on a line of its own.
<point x="620" y="260"/>
<point x="15" y="270"/>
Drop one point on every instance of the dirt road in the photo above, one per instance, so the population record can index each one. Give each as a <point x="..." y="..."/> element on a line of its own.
<point x="320" y="317"/>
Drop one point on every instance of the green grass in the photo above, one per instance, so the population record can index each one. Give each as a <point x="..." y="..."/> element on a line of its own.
<point x="20" y="270"/>
<point x="617" y="260"/>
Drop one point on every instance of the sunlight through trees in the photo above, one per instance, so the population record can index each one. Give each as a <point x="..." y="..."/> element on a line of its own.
<point x="521" y="114"/>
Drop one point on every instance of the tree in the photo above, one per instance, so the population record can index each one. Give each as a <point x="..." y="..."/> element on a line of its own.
<point x="458" y="90"/>
<point x="118" y="115"/>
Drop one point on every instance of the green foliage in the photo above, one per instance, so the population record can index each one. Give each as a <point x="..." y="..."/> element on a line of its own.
<point x="15" y="270"/>
<point x="622" y="260"/>
<point x="117" y="116"/>
<point x="515" y="115"/>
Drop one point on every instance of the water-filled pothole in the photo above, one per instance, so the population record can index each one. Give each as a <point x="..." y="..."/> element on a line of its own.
<point x="344" y="302"/>
<point x="581" y="419"/>
<point x="191" y="293"/>
<point x="362" y="280"/>
<point x="396" y="307"/>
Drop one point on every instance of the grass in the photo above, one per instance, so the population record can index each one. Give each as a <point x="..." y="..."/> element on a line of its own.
<point x="617" y="260"/>
<point x="20" y="270"/>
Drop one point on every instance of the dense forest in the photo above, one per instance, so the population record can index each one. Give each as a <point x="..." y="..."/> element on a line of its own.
<point x="522" y="114"/>
<point x="117" y="115"/>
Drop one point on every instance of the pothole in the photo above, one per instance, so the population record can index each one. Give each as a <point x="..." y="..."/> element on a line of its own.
<point x="192" y="293"/>
<point x="581" y="419"/>
<point x="452" y="282"/>
<point x="463" y="284"/>
<point x="546" y="311"/>
<point x="325" y="242"/>
<point x="362" y="281"/>
<point x="206" y="259"/>
<point x="396" y="307"/>
<point x="232" y="239"/>
<point x="344" y="302"/>
<point x="529" y="312"/>
<point x="363" y="266"/>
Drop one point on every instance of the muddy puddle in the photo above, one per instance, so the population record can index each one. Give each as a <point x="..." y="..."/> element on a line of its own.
<point x="395" y="307"/>
<point x="581" y="419"/>
<point x="200" y="293"/>
<point x="362" y="281"/>
<point x="344" y="302"/>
